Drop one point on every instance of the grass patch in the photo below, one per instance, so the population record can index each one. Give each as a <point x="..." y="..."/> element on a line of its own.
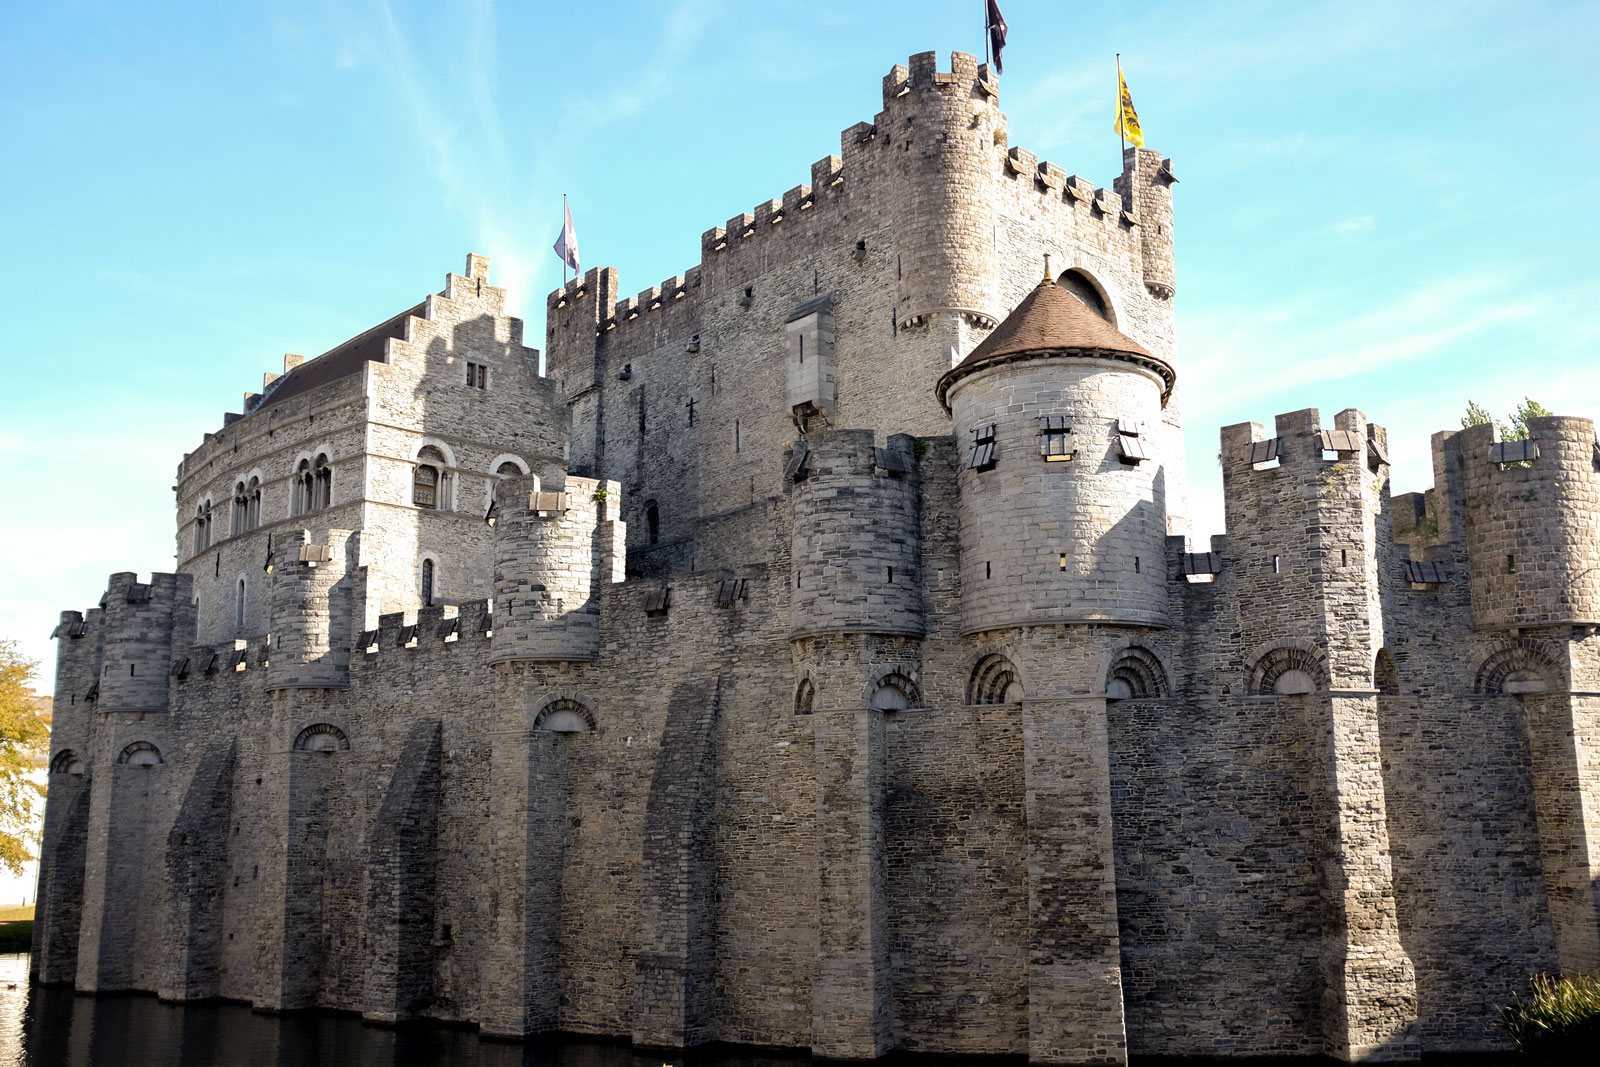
<point x="16" y="935"/>
<point x="1559" y="1020"/>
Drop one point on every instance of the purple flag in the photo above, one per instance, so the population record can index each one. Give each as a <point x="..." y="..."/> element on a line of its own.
<point x="997" y="34"/>
<point x="567" y="244"/>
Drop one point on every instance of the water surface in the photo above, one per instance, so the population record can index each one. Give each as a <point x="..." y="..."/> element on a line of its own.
<point x="55" y="1027"/>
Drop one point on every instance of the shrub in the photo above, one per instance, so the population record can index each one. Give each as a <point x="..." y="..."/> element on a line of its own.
<point x="1560" y="1019"/>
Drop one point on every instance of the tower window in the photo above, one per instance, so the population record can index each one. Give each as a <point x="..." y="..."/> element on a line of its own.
<point x="477" y="376"/>
<point x="1277" y="565"/>
<point x="238" y="606"/>
<point x="427" y="583"/>
<point x="1078" y="284"/>
<point x="430" y="481"/>
<point x="652" y="521"/>
<point x="736" y="435"/>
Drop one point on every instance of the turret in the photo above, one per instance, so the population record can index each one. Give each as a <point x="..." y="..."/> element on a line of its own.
<point x="553" y="551"/>
<point x="1146" y="187"/>
<point x="138" y="639"/>
<point x="312" y="609"/>
<point x="1302" y="509"/>
<point x="1062" y="494"/>
<point x="857" y="560"/>
<point x="1533" y="519"/>
<point x="938" y="140"/>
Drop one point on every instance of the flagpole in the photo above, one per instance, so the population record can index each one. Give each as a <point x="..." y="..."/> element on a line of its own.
<point x="988" y="60"/>
<point x="568" y="252"/>
<point x="1122" y="132"/>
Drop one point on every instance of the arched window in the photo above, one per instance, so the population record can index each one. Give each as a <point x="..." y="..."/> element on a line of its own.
<point x="321" y="737"/>
<point x="252" y="514"/>
<point x="202" y="526"/>
<point x="428" y="487"/>
<point x="994" y="681"/>
<point x="300" y="499"/>
<point x="427" y="583"/>
<point x="894" y="692"/>
<point x="652" y="520"/>
<point x="1078" y="284"/>
<point x="805" y="697"/>
<point x="322" y="483"/>
<point x="241" y="510"/>
<point x="1136" y="672"/>
<point x="141" y="754"/>
<point x="1287" y="672"/>
<point x="1521" y="666"/>
<point x="67" y="762"/>
<point x="563" y="715"/>
<point x="238" y="606"/>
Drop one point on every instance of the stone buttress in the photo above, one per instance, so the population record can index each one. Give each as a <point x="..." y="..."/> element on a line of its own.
<point x="556" y="547"/>
<point x="856" y="617"/>
<point x="1532" y="520"/>
<point x="1311" y="630"/>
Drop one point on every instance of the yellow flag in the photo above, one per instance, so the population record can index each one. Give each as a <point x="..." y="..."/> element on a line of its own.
<point x="1127" y="118"/>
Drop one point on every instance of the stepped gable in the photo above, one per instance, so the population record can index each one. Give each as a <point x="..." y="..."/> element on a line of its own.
<point x="341" y="360"/>
<point x="1050" y="320"/>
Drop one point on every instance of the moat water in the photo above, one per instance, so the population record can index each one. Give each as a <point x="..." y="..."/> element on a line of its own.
<point x="54" y="1027"/>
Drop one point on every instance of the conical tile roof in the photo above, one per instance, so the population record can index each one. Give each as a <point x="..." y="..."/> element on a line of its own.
<point x="1050" y="320"/>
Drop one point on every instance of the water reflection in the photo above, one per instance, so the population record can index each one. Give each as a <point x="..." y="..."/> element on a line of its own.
<point x="54" y="1027"/>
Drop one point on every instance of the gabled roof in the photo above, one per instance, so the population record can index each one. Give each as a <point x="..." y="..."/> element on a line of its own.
<point x="340" y="361"/>
<point x="1050" y="320"/>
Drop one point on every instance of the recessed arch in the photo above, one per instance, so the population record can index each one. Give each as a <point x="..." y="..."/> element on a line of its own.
<point x="1288" y="670"/>
<point x="805" y="697"/>
<point x="67" y="761"/>
<point x="563" y="713"/>
<point x="1520" y="666"/>
<point x="893" y="689"/>
<point x="994" y="680"/>
<point x="322" y="737"/>
<point x="1089" y="290"/>
<point x="1136" y="672"/>
<point x="1385" y="675"/>
<point x="141" y="754"/>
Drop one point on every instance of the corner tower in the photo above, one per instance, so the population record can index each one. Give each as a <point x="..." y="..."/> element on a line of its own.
<point x="1062" y="487"/>
<point x="944" y="134"/>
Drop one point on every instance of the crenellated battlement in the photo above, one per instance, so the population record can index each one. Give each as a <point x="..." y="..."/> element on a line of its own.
<point x="1532" y="511"/>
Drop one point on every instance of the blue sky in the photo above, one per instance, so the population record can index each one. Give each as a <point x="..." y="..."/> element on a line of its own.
<point x="1383" y="206"/>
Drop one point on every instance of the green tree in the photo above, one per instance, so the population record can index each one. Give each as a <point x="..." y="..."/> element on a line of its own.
<point x="24" y="740"/>
<point x="1475" y="416"/>
<point x="1528" y="409"/>
<point x="1516" y="426"/>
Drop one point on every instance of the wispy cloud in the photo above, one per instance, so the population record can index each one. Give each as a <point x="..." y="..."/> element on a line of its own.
<point x="1351" y="228"/>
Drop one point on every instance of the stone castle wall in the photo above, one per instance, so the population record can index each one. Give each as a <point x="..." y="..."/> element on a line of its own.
<point x="731" y="730"/>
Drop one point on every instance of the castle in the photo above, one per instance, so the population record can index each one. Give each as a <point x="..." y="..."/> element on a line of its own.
<point x="815" y="658"/>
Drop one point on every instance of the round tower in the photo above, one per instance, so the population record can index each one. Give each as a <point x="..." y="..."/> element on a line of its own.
<point x="942" y="134"/>
<point x="551" y="549"/>
<point x="137" y="641"/>
<point x="1062" y="495"/>
<point x="311" y="610"/>
<point x="1533" y="520"/>
<point x="856" y="551"/>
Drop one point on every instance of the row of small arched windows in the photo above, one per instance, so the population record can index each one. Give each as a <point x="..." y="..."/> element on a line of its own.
<point x="311" y="490"/>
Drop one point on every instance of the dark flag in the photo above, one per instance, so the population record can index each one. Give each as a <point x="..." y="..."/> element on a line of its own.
<point x="997" y="34"/>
